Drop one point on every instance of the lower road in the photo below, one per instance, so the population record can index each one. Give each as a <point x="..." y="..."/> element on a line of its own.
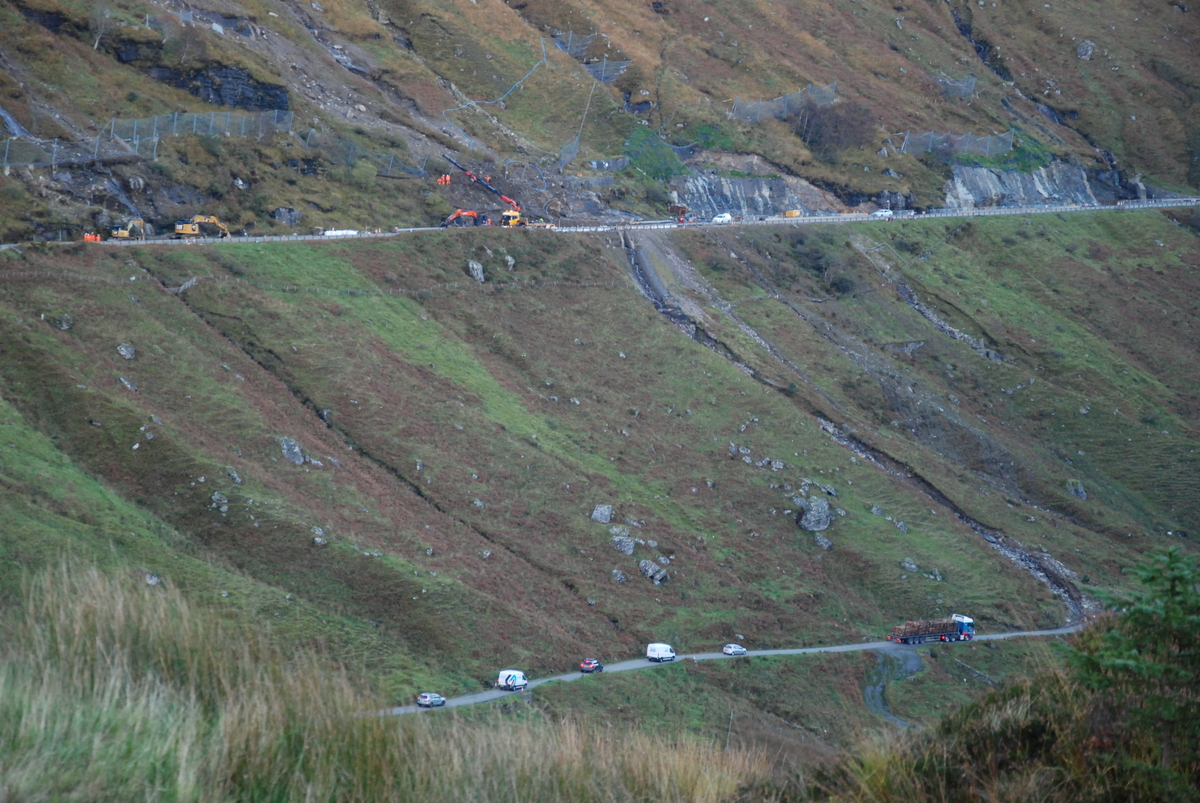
<point x="643" y="663"/>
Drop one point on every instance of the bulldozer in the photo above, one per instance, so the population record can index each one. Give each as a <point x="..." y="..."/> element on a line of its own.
<point x="190" y="227"/>
<point x="126" y="232"/>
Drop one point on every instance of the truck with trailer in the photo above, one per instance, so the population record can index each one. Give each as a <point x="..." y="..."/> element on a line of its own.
<point x="956" y="628"/>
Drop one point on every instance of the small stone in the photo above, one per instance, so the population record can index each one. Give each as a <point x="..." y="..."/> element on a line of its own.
<point x="360" y="107"/>
<point x="319" y="541"/>
<point x="63" y="322"/>
<point x="127" y="351"/>
<point x="822" y="541"/>
<point x="876" y="510"/>
<point x="815" y="513"/>
<point x="935" y="575"/>
<point x="1085" y="50"/>
<point x="477" y="503"/>
<point x="429" y="551"/>
<point x="485" y="554"/>
<point x="909" y="566"/>
<point x="1076" y="488"/>
<point x="618" y="529"/>
<point x="129" y="385"/>
<point x="153" y="579"/>
<point x="652" y="571"/>
<point x="902" y="526"/>
<point x="652" y="544"/>
<point x="233" y="475"/>
<point x="219" y="498"/>
<point x="510" y="262"/>
<point x="602" y="513"/>
<point x="292" y="451"/>
<point x="318" y="531"/>
<point x="618" y="575"/>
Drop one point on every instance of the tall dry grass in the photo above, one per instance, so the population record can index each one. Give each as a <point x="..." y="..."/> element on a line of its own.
<point x="114" y="690"/>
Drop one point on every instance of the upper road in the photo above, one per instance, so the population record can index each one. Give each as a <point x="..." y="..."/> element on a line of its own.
<point x="643" y="663"/>
<point x="670" y="224"/>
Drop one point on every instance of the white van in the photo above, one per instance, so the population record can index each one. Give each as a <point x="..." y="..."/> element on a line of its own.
<point x="511" y="680"/>
<point x="660" y="652"/>
<point x="724" y="217"/>
<point x="884" y="214"/>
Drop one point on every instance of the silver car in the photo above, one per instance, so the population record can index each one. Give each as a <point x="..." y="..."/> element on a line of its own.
<point x="733" y="649"/>
<point x="429" y="699"/>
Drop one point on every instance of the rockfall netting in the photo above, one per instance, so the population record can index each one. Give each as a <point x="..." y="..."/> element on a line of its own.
<point x="752" y="111"/>
<point x="957" y="87"/>
<point x="255" y="124"/>
<point x="993" y="145"/>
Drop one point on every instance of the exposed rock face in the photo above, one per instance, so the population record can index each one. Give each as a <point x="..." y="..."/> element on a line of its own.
<point x="1057" y="183"/>
<point x="708" y="195"/>
<point x="287" y="216"/>
<point x="602" y="513"/>
<point x="815" y="513"/>
<point x="222" y="85"/>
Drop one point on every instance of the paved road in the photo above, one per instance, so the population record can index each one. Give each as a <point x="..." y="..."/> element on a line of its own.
<point x="670" y="224"/>
<point x="642" y="663"/>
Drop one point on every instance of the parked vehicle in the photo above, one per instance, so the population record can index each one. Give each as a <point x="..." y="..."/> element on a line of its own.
<point x="511" y="680"/>
<point x="724" y="217"/>
<point x="733" y="649"/>
<point x="589" y="665"/>
<point x="956" y="628"/>
<point x="429" y="699"/>
<point x="660" y="652"/>
<point x="883" y="214"/>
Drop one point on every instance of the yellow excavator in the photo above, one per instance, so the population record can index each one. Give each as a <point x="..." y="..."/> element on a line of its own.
<point x="190" y="227"/>
<point x="133" y="230"/>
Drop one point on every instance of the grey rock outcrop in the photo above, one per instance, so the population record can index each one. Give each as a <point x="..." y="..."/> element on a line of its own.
<point x="876" y="510"/>
<point x="623" y="544"/>
<point x="1056" y="183"/>
<point x="652" y="571"/>
<point x="292" y="451"/>
<point x="602" y="513"/>
<point x="909" y="566"/>
<point x="1076" y="488"/>
<point x="223" y="85"/>
<point x="510" y="262"/>
<point x="815" y="513"/>
<point x="287" y="216"/>
<point x="822" y="541"/>
<point x="618" y="575"/>
<point x="476" y="270"/>
<point x="128" y="385"/>
<point x="1085" y="50"/>
<point x="127" y="351"/>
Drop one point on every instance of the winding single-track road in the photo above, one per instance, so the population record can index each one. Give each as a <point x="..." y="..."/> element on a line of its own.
<point x="643" y="663"/>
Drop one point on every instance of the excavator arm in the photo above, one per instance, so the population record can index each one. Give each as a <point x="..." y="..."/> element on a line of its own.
<point x="190" y="227"/>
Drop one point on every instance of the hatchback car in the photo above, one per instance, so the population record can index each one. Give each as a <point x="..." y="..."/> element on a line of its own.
<point x="588" y="665"/>
<point x="733" y="649"/>
<point x="429" y="699"/>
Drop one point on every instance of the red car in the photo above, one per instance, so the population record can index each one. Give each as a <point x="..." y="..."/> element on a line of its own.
<point x="589" y="665"/>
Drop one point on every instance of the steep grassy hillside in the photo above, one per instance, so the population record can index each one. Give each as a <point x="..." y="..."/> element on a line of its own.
<point x="361" y="449"/>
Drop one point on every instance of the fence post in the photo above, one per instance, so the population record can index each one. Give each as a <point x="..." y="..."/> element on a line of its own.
<point x="155" y="157"/>
<point x="112" y="134"/>
<point x="135" y="129"/>
<point x="174" y="122"/>
<point x="54" y="154"/>
<point x="390" y="160"/>
<point x="156" y="126"/>
<point x="211" y="116"/>
<point x="7" y="142"/>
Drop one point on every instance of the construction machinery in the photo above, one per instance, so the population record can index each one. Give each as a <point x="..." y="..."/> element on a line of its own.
<point x="190" y="227"/>
<point x="126" y="232"/>
<point x="509" y="218"/>
<point x="465" y="215"/>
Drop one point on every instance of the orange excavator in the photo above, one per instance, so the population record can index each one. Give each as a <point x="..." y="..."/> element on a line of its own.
<point x="465" y="215"/>
<point x="509" y="218"/>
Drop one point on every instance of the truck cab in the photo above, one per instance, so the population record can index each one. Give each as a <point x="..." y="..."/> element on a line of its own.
<point x="966" y="626"/>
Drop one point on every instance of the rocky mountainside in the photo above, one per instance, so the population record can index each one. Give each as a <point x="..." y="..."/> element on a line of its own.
<point x="834" y="100"/>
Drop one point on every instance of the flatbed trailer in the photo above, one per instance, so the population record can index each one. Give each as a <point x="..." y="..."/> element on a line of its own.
<point x="956" y="628"/>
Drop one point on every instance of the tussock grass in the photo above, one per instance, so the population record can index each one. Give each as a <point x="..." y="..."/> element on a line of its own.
<point x="112" y="689"/>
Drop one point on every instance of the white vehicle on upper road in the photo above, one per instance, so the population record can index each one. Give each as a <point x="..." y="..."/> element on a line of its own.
<point x="724" y="217"/>
<point x="660" y="652"/>
<point x="511" y="680"/>
<point x="883" y="214"/>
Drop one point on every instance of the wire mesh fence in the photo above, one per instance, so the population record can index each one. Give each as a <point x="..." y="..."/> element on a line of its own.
<point x="994" y="145"/>
<point x="957" y="87"/>
<point x="752" y="111"/>
<point x="340" y="152"/>
<point x="29" y="152"/>
<point x="258" y="125"/>
<point x="567" y="153"/>
<point x="606" y="71"/>
<point x="573" y="44"/>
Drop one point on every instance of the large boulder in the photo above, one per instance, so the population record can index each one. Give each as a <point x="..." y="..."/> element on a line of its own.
<point x="602" y="513"/>
<point x="652" y="571"/>
<point x="292" y="451"/>
<point x="815" y="514"/>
